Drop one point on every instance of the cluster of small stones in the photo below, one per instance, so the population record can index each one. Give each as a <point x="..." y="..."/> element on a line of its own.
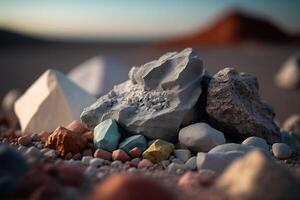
<point x="142" y="100"/>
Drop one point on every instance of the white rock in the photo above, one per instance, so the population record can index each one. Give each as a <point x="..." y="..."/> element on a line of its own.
<point x="96" y="162"/>
<point x="200" y="137"/>
<point x="99" y="74"/>
<point x="231" y="147"/>
<point x="53" y="100"/>
<point x="281" y="150"/>
<point x="191" y="163"/>
<point x="257" y="142"/>
<point x="86" y="160"/>
<point x="217" y="161"/>
<point x="50" y="153"/>
<point x="182" y="154"/>
<point x="288" y="76"/>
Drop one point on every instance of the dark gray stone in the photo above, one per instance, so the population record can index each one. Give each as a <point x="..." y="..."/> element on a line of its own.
<point x="235" y="107"/>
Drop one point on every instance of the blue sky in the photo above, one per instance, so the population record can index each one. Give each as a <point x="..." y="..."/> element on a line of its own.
<point x="135" y="19"/>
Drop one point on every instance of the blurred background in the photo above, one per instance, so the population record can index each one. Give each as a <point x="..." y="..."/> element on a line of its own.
<point x="256" y="36"/>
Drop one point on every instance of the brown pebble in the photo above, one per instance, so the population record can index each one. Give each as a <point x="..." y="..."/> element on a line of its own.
<point x="120" y="155"/>
<point x="192" y="180"/>
<point x="87" y="152"/>
<point x="100" y="153"/>
<point x="43" y="136"/>
<point x="130" y="187"/>
<point x="145" y="163"/>
<point x="135" y="152"/>
<point x="24" y="140"/>
<point x="77" y="156"/>
<point x="77" y="127"/>
<point x="68" y="156"/>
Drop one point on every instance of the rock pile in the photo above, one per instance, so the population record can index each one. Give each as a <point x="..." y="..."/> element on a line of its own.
<point x="157" y="93"/>
<point x="131" y="131"/>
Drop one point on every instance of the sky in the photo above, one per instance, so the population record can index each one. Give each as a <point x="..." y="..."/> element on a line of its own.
<point x="132" y="20"/>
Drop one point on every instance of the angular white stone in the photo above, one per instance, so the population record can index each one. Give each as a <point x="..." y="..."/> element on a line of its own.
<point x="200" y="137"/>
<point x="52" y="100"/>
<point x="99" y="74"/>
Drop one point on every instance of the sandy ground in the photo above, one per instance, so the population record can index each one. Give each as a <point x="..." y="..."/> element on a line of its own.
<point x="20" y="66"/>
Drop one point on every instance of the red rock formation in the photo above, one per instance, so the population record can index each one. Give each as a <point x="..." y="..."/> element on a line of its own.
<point x="232" y="28"/>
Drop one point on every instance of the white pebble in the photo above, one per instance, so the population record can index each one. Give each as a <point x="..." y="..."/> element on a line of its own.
<point x="182" y="154"/>
<point x="191" y="163"/>
<point x="281" y="150"/>
<point x="86" y="160"/>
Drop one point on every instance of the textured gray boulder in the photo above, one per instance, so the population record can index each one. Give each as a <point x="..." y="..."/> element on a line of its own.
<point x="235" y="107"/>
<point x="156" y="100"/>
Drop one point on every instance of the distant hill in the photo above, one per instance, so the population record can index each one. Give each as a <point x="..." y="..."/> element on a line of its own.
<point x="233" y="28"/>
<point x="12" y="38"/>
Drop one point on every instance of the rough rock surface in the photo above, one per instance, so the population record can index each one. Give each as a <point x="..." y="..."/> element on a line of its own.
<point x="156" y="99"/>
<point x="65" y="141"/>
<point x="235" y="107"/>
<point x="256" y="176"/>
<point x="288" y="76"/>
<point x="53" y="100"/>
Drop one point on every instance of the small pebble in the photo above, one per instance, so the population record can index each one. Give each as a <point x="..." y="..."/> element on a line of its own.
<point x="177" y="160"/>
<point x="191" y="163"/>
<point x="87" y="152"/>
<point x="135" y="152"/>
<point x="86" y="160"/>
<point x="165" y="163"/>
<point x="135" y="162"/>
<point x="96" y="162"/>
<point x="182" y="154"/>
<point x="90" y="171"/>
<point x="172" y="168"/>
<point x="116" y="164"/>
<point x="68" y="156"/>
<point x="33" y="152"/>
<point x="281" y="150"/>
<point x="132" y="170"/>
<point x="120" y="155"/>
<point x="24" y="140"/>
<point x="145" y="163"/>
<point x="100" y="153"/>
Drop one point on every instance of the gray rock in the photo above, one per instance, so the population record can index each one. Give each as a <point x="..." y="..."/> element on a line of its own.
<point x="90" y="171"/>
<point x="182" y="154"/>
<point x="86" y="160"/>
<point x="165" y="163"/>
<point x="231" y="147"/>
<point x="281" y="150"/>
<point x="158" y="92"/>
<point x="200" y="137"/>
<point x="96" y="162"/>
<point x="191" y="163"/>
<point x="257" y="142"/>
<point x="292" y="123"/>
<point x="173" y="167"/>
<point x="177" y="161"/>
<point x="235" y="107"/>
<point x="33" y="152"/>
<point x="50" y="153"/>
<point x="288" y="76"/>
<point x="217" y="161"/>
